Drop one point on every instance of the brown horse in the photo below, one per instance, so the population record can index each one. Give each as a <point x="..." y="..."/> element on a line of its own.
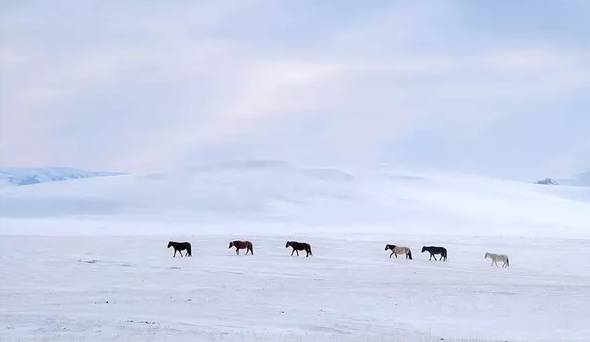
<point x="179" y="247"/>
<point x="299" y="246"/>
<point x="247" y="245"/>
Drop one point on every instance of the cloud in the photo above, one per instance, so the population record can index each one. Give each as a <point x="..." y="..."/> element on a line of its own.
<point x="120" y="86"/>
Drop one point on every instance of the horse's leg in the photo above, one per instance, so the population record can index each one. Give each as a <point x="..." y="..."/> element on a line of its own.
<point x="395" y="255"/>
<point x="174" y="256"/>
<point x="390" y="255"/>
<point x="296" y="251"/>
<point x="293" y="252"/>
<point x="434" y="255"/>
<point x="237" y="251"/>
<point x="180" y="251"/>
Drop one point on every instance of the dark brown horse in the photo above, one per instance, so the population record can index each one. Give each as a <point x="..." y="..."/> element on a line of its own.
<point x="179" y="247"/>
<point x="247" y="245"/>
<point x="299" y="246"/>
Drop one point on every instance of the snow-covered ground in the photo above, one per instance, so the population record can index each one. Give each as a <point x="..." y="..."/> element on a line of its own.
<point x="129" y="288"/>
<point x="86" y="259"/>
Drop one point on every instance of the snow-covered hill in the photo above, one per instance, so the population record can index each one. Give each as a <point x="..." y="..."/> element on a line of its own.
<point x="28" y="176"/>
<point x="278" y="194"/>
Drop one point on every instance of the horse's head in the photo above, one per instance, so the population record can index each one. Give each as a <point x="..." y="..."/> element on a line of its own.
<point x="423" y="249"/>
<point x="169" y="244"/>
<point x="389" y="247"/>
<point x="288" y="244"/>
<point x="486" y="256"/>
<point x="231" y="244"/>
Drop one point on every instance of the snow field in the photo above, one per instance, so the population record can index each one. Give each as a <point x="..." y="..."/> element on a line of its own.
<point x="57" y="288"/>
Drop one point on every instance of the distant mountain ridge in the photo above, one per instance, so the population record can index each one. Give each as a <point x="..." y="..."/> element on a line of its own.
<point x="28" y="176"/>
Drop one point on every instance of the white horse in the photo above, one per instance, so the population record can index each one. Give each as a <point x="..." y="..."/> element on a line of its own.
<point x="498" y="257"/>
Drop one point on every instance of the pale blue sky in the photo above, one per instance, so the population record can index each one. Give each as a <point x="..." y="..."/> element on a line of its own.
<point x="498" y="88"/>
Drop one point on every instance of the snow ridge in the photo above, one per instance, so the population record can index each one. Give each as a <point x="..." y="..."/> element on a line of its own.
<point x="28" y="176"/>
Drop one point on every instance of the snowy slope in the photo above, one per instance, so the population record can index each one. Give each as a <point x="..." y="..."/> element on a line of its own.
<point x="28" y="176"/>
<point x="255" y="193"/>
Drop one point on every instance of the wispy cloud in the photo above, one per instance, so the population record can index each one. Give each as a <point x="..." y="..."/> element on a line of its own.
<point x="129" y="86"/>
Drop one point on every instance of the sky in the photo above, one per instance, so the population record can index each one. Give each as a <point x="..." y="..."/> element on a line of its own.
<point x="497" y="88"/>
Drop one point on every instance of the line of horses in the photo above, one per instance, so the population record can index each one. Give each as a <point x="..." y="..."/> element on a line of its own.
<point x="237" y="244"/>
<point x="303" y="246"/>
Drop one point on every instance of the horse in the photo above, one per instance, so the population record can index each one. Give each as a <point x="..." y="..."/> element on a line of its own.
<point x="179" y="247"/>
<point x="247" y="245"/>
<point x="498" y="257"/>
<point x="299" y="246"/>
<point x="395" y="250"/>
<point x="433" y="250"/>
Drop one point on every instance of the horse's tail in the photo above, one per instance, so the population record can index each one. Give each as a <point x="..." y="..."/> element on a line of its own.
<point x="188" y="249"/>
<point x="309" y="250"/>
<point x="507" y="262"/>
<point x="251" y="246"/>
<point x="410" y="254"/>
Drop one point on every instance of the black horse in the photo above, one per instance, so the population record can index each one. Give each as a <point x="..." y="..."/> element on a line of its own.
<point x="433" y="250"/>
<point x="179" y="247"/>
<point x="247" y="245"/>
<point x="299" y="246"/>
